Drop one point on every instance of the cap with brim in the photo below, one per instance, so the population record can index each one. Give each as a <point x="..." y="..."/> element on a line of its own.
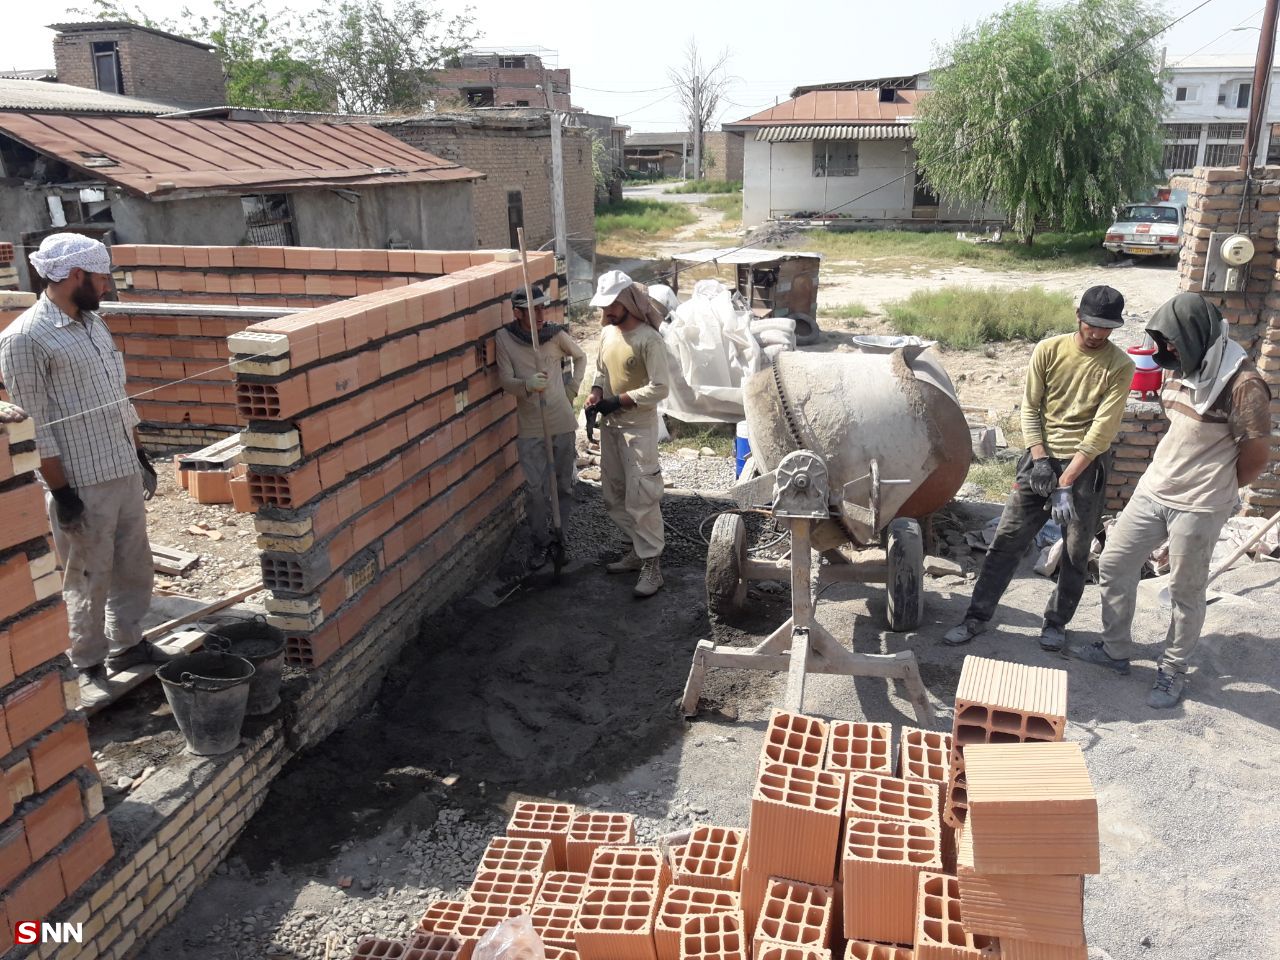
<point x="610" y="284"/>
<point x="540" y="298"/>
<point x="1102" y="307"/>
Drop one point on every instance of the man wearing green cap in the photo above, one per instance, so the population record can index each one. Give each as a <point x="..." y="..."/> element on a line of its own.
<point x="1218" y="441"/>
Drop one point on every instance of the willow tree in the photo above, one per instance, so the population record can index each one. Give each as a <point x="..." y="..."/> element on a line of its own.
<point x="1048" y="113"/>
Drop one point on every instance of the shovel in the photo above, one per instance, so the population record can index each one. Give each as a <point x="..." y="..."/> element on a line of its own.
<point x="1163" y="597"/>
<point x="557" y="537"/>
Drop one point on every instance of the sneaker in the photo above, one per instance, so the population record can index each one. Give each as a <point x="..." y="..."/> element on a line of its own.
<point x="1167" y="690"/>
<point x="1052" y="637"/>
<point x="650" y="581"/>
<point x="964" y="632"/>
<point x="144" y="651"/>
<point x="629" y="563"/>
<point x="1095" y="653"/>
<point x="94" y="680"/>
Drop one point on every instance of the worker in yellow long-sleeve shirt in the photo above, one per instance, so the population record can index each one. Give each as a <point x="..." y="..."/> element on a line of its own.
<point x="1076" y="389"/>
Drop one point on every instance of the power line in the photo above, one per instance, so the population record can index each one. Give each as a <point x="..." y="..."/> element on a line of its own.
<point x="1188" y="56"/>
<point x="646" y="106"/>
<point x="669" y="86"/>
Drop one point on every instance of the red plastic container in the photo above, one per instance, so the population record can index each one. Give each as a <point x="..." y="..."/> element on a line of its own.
<point x="1147" y="375"/>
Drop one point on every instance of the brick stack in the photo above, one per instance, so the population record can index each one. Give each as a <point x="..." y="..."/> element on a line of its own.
<point x="8" y="267"/>
<point x="1135" y="446"/>
<point x="377" y="437"/>
<point x="999" y="702"/>
<point x="53" y="832"/>
<point x="1216" y="202"/>
<point x="12" y="305"/>
<point x="869" y="841"/>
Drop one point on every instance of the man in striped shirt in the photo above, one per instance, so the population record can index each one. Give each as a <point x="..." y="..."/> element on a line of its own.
<point x="59" y="363"/>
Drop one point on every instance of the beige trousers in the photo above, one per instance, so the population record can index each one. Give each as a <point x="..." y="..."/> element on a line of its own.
<point x="107" y="568"/>
<point x="631" y="483"/>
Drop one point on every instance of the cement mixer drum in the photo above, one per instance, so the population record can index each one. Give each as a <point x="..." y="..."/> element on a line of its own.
<point x="888" y="426"/>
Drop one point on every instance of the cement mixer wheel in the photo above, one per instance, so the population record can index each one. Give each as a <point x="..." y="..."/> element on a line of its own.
<point x="726" y="559"/>
<point x="904" y="554"/>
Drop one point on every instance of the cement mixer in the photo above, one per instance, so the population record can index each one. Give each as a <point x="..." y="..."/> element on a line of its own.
<point x="855" y="449"/>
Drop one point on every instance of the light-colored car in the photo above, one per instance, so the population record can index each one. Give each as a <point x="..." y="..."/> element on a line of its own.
<point x="1146" y="230"/>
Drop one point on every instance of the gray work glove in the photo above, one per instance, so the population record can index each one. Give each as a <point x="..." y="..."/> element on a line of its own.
<point x="149" y="479"/>
<point x="1062" y="507"/>
<point x="1043" y="477"/>
<point x="537" y="383"/>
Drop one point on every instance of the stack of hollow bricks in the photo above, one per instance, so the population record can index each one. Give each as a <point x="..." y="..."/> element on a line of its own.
<point x="844" y="857"/>
<point x="1217" y="201"/>
<point x="378" y="437"/>
<point x="213" y="289"/>
<point x="53" y="831"/>
<point x="8" y="268"/>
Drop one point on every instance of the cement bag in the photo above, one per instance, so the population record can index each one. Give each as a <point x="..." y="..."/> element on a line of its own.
<point x="711" y="351"/>
<point x="785" y="324"/>
<point x="512" y="939"/>
<point x="779" y="338"/>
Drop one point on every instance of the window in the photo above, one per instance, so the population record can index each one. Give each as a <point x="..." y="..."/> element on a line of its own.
<point x="888" y="95"/>
<point x="515" y="215"/>
<point x="522" y="103"/>
<point x="1242" y="95"/>
<point x="106" y="67"/>
<point x="1182" y="131"/>
<point x="269" y="219"/>
<point x="511" y="63"/>
<point x="1226" y="131"/>
<point x="1222" y="154"/>
<point x="1180" y="156"/>
<point x="479" y="96"/>
<point x="835" y="158"/>
<point x="1189" y="93"/>
<point x="1180" y="94"/>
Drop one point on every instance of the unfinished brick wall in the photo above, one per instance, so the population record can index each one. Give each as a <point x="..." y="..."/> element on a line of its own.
<point x="722" y="155"/>
<point x="53" y="835"/>
<point x="1144" y="424"/>
<point x="377" y="438"/>
<point x="8" y="267"/>
<point x="1217" y="200"/>
<point x="152" y="66"/>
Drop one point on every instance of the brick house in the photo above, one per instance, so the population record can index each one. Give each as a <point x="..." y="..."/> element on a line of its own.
<point x="137" y="61"/>
<point x="496" y="78"/>
<point x="512" y="148"/>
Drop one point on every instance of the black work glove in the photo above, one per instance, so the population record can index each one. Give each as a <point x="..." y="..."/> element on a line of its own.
<point x="1043" y="477"/>
<point x="149" y="478"/>
<point x="68" y="506"/>
<point x="608" y="405"/>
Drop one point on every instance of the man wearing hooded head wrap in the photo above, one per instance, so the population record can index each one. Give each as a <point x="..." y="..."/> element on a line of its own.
<point x="632" y="376"/>
<point x="1218" y="441"/>
<point x="59" y="363"/>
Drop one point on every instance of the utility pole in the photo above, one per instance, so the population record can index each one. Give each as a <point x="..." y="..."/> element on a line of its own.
<point x="697" y="126"/>
<point x="1261" y="86"/>
<point x="559" y="221"/>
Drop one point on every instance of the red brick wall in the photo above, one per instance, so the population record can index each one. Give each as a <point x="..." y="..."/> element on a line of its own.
<point x="152" y="67"/>
<point x="509" y="85"/>
<point x="53" y="834"/>
<point x="382" y="445"/>
<point x="1144" y="424"/>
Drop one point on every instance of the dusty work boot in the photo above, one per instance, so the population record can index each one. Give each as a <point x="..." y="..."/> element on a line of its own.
<point x="964" y="632"/>
<point x="1052" y="637"/>
<point x="629" y="563"/>
<point x="1097" y="654"/>
<point x="1167" y="690"/>
<point x="144" y="651"/>
<point x="94" y="679"/>
<point x="650" y="581"/>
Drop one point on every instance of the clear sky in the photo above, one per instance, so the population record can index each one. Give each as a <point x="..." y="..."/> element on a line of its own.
<point x="620" y="53"/>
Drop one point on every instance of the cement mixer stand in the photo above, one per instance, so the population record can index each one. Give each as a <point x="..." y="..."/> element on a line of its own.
<point x="801" y="645"/>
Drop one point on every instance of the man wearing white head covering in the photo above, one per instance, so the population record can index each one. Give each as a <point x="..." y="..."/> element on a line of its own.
<point x="632" y="377"/>
<point x="59" y="363"/>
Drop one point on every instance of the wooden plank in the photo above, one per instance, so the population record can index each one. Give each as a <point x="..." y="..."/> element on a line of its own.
<point x="227" y="601"/>
<point x="216" y="456"/>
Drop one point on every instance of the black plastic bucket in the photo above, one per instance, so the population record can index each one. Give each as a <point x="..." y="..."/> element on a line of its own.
<point x="208" y="693"/>
<point x="258" y="642"/>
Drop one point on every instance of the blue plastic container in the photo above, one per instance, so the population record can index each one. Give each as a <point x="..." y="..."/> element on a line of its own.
<point x="741" y="448"/>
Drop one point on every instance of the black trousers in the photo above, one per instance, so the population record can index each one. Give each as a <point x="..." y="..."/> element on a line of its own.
<point x="1025" y="512"/>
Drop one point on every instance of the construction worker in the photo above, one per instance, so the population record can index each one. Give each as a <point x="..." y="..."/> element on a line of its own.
<point x="59" y="364"/>
<point x="1076" y="389"/>
<point x="631" y="379"/>
<point x="544" y="404"/>
<point x="1219" y="411"/>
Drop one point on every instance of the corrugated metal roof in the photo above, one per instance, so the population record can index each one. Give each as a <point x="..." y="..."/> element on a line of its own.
<point x="154" y="157"/>
<point x="837" y="131"/>
<point x="648" y="139"/>
<point x="31" y="96"/>
<point x="838" y="106"/>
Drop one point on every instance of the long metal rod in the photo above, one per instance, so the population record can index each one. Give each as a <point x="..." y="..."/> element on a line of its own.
<point x="1261" y="85"/>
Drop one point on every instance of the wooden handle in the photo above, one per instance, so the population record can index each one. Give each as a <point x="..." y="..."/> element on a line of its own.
<point x="1244" y="547"/>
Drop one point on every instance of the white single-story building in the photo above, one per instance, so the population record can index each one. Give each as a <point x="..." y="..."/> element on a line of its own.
<point x="842" y="153"/>
<point x="1207" y="103"/>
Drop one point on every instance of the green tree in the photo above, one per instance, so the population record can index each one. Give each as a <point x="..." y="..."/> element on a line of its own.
<point x="1048" y="113"/>
<point x="380" y="62"/>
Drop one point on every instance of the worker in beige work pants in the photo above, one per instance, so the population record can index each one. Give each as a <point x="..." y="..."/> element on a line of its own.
<point x="631" y="378"/>
<point x="59" y="364"/>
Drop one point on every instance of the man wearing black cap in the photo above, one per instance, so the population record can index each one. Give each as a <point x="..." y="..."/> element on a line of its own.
<point x="1219" y="440"/>
<point x="541" y="390"/>
<point x="1076" y="389"/>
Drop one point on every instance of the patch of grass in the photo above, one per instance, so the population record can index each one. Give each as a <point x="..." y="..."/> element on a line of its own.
<point x="707" y="186"/>
<point x="855" y="310"/>
<point x="967" y="317"/>
<point x="697" y="439"/>
<point x="995" y="477"/>
<point x="729" y="204"/>
<point x="903" y="248"/>
<point x="642" y="218"/>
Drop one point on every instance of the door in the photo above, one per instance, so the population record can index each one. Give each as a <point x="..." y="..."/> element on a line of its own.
<point x="515" y="215"/>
